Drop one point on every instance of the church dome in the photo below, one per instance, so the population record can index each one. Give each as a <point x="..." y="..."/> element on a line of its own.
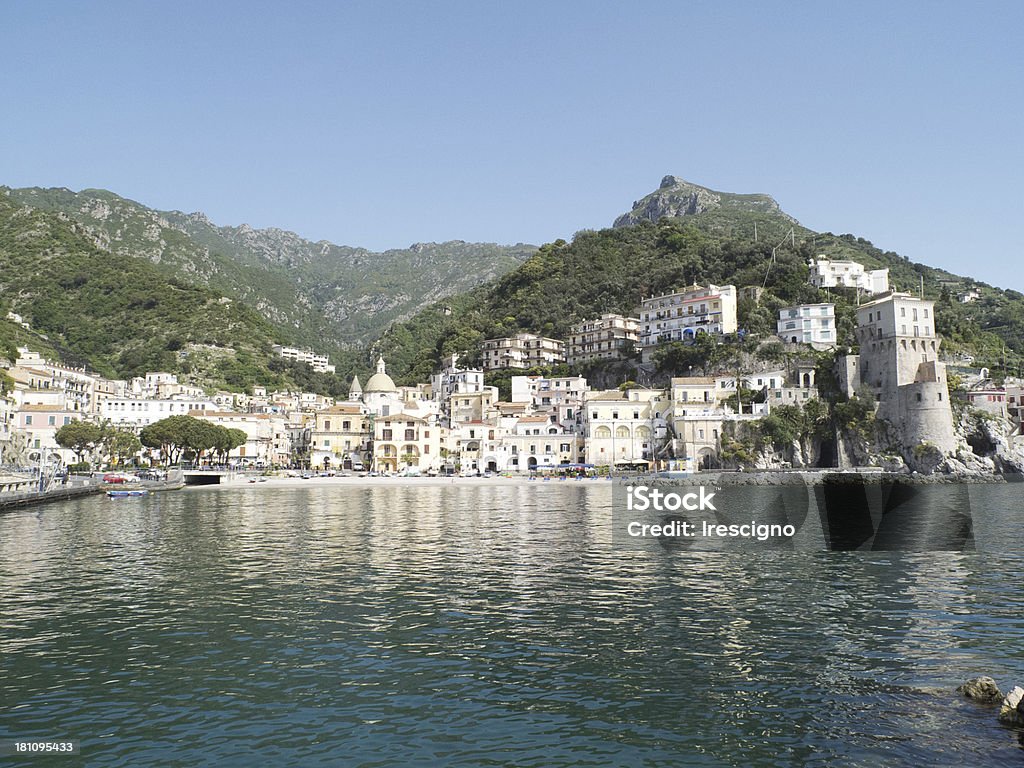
<point x="380" y="381"/>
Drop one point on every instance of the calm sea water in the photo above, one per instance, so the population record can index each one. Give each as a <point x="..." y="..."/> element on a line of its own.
<point x="483" y="626"/>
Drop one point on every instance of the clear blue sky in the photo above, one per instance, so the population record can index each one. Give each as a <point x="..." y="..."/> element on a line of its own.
<point x="382" y="124"/>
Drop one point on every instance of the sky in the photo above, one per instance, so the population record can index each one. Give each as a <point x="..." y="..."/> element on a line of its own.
<point x="380" y="124"/>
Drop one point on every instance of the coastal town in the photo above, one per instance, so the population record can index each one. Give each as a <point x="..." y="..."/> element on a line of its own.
<point x="457" y="424"/>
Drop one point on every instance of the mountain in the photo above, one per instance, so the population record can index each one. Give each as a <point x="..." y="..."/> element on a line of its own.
<point x="675" y="197"/>
<point x="703" y="237"/>
<point x="118" y="314"/>
<point x="329" y="296"/>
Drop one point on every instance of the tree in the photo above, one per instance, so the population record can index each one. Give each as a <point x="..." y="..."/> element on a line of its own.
<point x="200" y="436"/>
<point x="227" y="440"/>
<point x="79" y="436"/>
<point x="121" y="444"/>
<point x="168" y="435"/>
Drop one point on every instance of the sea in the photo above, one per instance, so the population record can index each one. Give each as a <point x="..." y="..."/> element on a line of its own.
<point x="491" y="624"/>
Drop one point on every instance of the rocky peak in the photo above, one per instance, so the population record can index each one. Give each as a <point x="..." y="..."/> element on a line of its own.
<point x="678" y="197"/>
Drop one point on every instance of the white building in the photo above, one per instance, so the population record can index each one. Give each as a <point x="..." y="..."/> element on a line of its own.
<point x="407" y="443"/>
<point x="683" y="314"/>
<point x="452" y="378"/>
<point x="475" y="447"/>
<point x="35" y="373"/>
<point x="533" y="443"/>
<point x="825" y="273"/>
<point x="966" y="297"/>
<point x="560" y="396"/>
<point x="318" y="363"/>
<point x="136" y="413"/>
<point x="524" y="350"/>
<point x="625" y="428"/>
<point x="808" y="324"/>
<point x="610" y="337"/>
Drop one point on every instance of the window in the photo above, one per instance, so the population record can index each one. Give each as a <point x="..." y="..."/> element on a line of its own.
<point x="327" y="425"/>
<point x="51" y="421"/>
<point x="28" y="422"/>
<point x="386" y="434"/>
<point x="346" y="425"/>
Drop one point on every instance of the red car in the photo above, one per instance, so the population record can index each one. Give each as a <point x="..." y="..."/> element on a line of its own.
<point x="113" y="477"/>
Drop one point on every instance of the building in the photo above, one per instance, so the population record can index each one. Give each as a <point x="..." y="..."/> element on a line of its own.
<point x="407" y="443"/>
<point x="318" y="363"/>
<point x="533" y="443"/>
<point x="899" y="363"/>
<point x="474" y="447"/>
<point x="625" y="428"/>
<point x="524" y="350"/>
<point x="813" y="324"/>
<point x="8" y="424"/>
<point x="340" y="438"/>
<point x="560" y="396"/>
<point x="994" y="400"/>
<point x="40" y="424"/>
<point x="610" y="337"/>
<point x="1015" y="405"/>
<point x="38" y="375"/>
<point x="825" y="273"/>
<point x="452" y="378"/>
<point x="135" y="413"/>
<point x="471" y="405"/>
<point x="683" y="314"/>
<point x="267" y="441"/>
<point x="966" y="297"/>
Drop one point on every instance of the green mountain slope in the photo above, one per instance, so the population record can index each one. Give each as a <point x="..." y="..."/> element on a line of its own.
<point x="613" y="269"/>
<point x="321" y="294"/>
<point x="118" y="314"/>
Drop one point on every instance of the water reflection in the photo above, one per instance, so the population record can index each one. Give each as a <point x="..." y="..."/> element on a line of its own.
<point x="467" y="625"/>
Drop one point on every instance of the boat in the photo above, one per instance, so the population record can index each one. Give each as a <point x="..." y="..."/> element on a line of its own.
<point x="124" y="494"/>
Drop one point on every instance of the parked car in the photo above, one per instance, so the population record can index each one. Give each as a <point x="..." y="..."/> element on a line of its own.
<point x="121" y="477"/>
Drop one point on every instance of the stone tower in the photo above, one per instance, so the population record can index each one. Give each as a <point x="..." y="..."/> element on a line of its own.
<point x="899" y="362"/>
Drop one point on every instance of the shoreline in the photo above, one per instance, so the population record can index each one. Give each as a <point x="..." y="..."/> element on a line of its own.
<point x="723" y="478"/>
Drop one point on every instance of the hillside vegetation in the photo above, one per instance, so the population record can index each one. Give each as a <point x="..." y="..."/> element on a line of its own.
<point x="611" y="270"/>
<point x="117" y="314"/>
<point x="320" y="294"/>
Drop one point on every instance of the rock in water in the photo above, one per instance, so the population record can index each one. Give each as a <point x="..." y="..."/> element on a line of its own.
<point x="983" y="689"/>
<point x="1008" y="711"/>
